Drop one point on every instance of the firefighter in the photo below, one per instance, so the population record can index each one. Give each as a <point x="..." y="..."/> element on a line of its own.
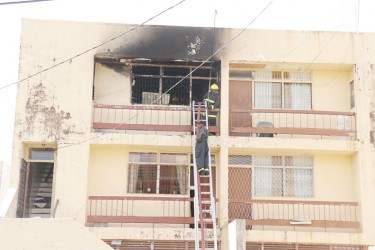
<point x="201" y="149"/>
<point x="212" y="99"/>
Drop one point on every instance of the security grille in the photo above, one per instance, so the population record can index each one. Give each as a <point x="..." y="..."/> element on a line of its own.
<point x="283" y="246"/>
<point x="156" y="245"/>
<point x="273" y="176"/>
<point x="171" y="84"/>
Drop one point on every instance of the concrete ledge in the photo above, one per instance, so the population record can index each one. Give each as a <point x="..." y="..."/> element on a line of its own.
<point x="46" y="234"/>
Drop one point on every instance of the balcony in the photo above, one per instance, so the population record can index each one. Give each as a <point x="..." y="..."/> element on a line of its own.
<point x="290" y="215"/>
<point x="279" y="123"/>
<point x="118" y="210"/>
<point x="294" y="215"/>
<point x="145" y="118"/>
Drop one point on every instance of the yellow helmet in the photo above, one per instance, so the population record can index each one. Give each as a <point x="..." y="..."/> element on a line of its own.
<point x="214" y="86"/>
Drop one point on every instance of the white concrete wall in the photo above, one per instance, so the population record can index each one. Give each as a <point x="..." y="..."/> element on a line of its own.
<point x="46" y="234"/>
<point x="4" y="179"/>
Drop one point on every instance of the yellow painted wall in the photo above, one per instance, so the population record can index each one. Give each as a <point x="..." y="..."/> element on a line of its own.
<point x="329" y="85"/>
<point x="108" y="170"/>
<point x="333" y="176"/>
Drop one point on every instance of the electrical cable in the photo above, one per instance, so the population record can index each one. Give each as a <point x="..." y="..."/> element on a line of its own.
<point x="26" y="1"/>
<point x="92" y="48"/>
<point x="178" y="82"/>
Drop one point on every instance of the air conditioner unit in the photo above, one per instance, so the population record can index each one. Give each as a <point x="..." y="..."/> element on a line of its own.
<point x="154" y="98"/>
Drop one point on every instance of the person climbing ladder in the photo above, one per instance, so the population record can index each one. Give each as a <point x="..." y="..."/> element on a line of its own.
<point x="201" y="149"/>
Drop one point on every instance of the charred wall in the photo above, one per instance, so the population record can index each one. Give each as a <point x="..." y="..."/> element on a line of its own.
<point x="169" y="43"/>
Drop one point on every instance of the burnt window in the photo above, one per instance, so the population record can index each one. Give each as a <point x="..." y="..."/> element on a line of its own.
<point x="174" y="84"/>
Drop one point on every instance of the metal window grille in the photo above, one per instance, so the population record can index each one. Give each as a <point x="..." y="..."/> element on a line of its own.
<point x="168" y="84"/>
<point x="277" y="176"/>
<point x="240" y="159"/>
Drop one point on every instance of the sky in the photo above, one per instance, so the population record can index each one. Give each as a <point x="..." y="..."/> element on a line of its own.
<point x="310" y="15"/>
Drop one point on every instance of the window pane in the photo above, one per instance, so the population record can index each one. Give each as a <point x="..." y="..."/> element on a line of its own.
<point x="240" y="159"/>
<point x="268" y="182"/>
<point x="267" y="160"/>
<point x="283" y="176"/>
<point x="299" y="161"/>
<point x="174" y="158"/>
<point x="43" y="154"/>
<point x="173" y="180"/>
<point x="298" y="76"/>
<point x="145" y="90"/>
<point x="297" y="96"/>
<point x="142" y="157"/>
<point x="267" y="95"/>
<point x="142" y="178"/>
<point x="264" y="75"/>
<point x="299" y="182"/>
<point x="179" y="94"/>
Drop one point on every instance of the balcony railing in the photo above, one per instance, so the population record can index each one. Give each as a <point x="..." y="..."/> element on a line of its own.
<point x="135" y="209"/>
<point x="273" y="122"/>
<point x="144" y="118"/>
<point x="259" y="214"/>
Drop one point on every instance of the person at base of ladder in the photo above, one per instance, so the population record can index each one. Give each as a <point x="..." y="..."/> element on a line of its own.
<point x="201" y="149"/>
<point x="212" y="98"/>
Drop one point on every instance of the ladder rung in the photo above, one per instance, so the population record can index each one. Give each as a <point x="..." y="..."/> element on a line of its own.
<point x="207" y="220"/>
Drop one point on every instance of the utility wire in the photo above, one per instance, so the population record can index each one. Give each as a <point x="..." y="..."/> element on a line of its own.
<point x="181" y="80"/>
<point x="95" y="47"/>
<point x="26" y="1"/>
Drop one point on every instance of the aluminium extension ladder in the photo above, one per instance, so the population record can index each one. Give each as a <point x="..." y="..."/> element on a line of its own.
<point x="204" y="201"/>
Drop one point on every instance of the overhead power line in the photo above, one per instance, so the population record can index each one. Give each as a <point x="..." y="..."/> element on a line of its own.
<point x="92" y="48"/>
<point x="178" y="82"/>
<point x="26" y="1"/>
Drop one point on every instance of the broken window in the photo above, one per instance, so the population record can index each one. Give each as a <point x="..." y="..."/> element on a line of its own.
<point x="171" y="84"/>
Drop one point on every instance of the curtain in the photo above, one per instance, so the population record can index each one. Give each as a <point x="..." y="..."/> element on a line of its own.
<point x="267" y="95"/>
<point x="133" y="178"/>
<point x="298" y="96"/>
<point x="182" y="178"/>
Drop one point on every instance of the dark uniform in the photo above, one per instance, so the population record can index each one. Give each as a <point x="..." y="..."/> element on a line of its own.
<point x="213" y="102"/>
<point x="201" y="150"/>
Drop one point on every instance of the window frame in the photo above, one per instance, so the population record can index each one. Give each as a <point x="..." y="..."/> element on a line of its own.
<point x="167" y="80"/>
<point x="158" y="165"/>
<point x="283" y="78"/>
<point x="232" y="162"/>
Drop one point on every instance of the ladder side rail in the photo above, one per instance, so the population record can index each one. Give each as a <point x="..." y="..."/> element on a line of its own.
<point x="198" y="212"/>
<point x="201" y="219"/>
<point x="212" y="198"/>
<point x="196" y="215"/>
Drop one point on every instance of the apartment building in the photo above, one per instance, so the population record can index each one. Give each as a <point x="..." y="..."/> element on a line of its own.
<point x="103" y="145"/>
